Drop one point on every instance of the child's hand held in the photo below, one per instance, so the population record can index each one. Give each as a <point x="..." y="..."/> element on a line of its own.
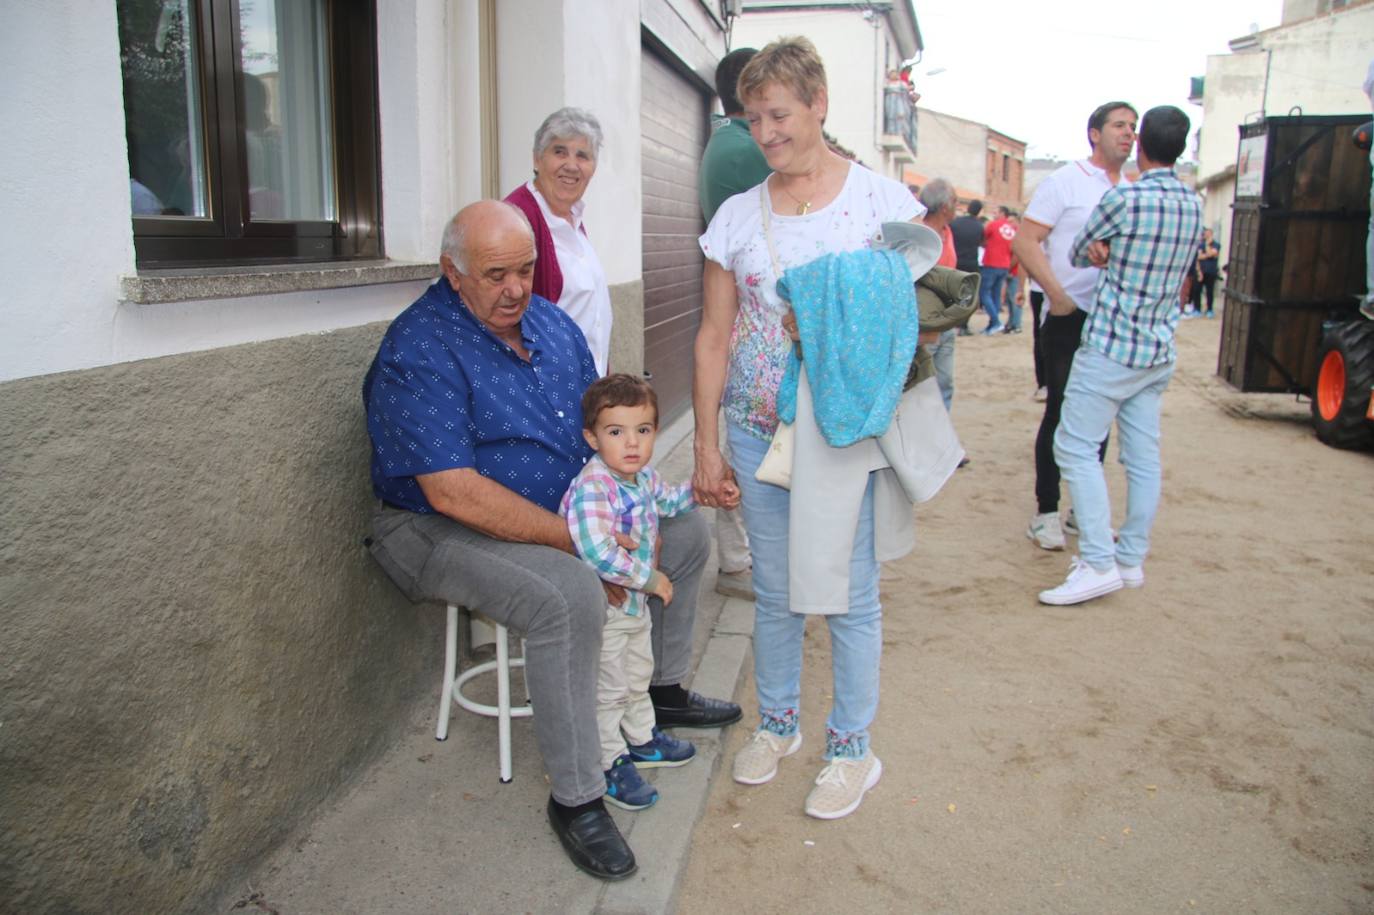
<point x="661" y="587"/>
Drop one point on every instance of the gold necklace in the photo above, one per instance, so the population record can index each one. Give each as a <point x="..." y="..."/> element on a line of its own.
<point x="802" y="205"/>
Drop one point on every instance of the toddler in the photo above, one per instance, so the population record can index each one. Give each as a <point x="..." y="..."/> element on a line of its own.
<point x="617" y="492"/>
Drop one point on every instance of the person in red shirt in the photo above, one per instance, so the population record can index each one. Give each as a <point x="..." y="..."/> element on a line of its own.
<point x="997" y="236"/>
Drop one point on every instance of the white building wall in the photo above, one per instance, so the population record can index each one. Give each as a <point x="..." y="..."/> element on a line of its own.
<point x="529" y="81"/>
<point x="608" y="85"/>
<point x="1232" y="93"/>
<point x="854" y="50"/>
<point x="429" y="72"/>
<point x="64" y="183"/>
<point x="953" y="148"/>
<point x="1318" y="64"/>
<point x="66" y="190"/>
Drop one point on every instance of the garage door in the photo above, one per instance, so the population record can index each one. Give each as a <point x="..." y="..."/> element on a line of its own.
<point x="673" y="128"/>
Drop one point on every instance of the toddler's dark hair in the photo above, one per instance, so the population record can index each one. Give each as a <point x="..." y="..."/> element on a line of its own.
<point x="618" y="390"/>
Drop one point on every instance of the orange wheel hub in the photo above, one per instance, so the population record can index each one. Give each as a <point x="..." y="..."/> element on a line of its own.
<point x="1331" y="385"/>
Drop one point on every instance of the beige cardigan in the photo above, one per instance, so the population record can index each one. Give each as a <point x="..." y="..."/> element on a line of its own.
<point x="828" y="488"/>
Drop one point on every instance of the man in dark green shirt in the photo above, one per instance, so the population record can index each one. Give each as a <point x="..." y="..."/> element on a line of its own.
<point x="733" y="161"/>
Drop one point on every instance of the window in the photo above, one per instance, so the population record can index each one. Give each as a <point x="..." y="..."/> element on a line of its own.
<point x="252" y="130"/>
<point x="1006" y="167"/>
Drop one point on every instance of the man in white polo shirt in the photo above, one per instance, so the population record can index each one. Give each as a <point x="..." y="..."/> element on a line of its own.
<point x="1059" y="208"/>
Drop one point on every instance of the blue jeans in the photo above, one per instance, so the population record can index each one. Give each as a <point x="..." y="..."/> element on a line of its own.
<point x="856" y="637"/>
<point x="1100" y="391"/>
<point x="990" y="294"/>
<point x="943" y="355"/>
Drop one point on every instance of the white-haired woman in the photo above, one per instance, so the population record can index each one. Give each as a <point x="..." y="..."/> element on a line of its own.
<point x="567" y="271"/>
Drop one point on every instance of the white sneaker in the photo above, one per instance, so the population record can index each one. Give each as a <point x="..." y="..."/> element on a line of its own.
<point x="1131" y="576"/>
<point x="1046" y="532"/>
<point x="1084" y="583"/>
<point x="1041" y="395"/>
<point x="757" y="761"/>
<point x="841" y="786"/>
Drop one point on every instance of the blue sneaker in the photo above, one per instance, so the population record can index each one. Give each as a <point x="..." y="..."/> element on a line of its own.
<point x="625" y="788"/>
<point x="663" y="750"/>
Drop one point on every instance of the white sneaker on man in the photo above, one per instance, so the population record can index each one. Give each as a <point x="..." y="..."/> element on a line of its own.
<point x="1131" y="576"/>
<point x="757" y="761"/>
<point x="1046" y="531"/>
<point x="1084" y="583"/>
<point x="1041" y="394"/>
<point x="841" y="786"/>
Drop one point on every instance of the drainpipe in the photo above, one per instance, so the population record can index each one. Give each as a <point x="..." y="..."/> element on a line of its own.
<point x="1264" y="99"/>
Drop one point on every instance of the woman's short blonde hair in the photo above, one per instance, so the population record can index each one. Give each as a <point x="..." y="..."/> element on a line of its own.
<point x="792" y="62"/>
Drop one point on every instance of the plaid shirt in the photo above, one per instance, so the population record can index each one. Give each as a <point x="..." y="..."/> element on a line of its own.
<point x="598" y="505"/>
<point x="1152" y="227"/>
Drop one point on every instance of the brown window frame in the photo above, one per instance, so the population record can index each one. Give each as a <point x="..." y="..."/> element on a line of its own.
<point x="228" y="235"/>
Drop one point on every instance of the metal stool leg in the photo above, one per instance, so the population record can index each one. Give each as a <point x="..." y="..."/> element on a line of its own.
<point x="450" y="668"/>
<point x="503" y="702"/>
<point x="503" y="711"/>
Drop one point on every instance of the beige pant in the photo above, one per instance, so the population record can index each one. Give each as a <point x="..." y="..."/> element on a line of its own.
<point x="624" y="711"/>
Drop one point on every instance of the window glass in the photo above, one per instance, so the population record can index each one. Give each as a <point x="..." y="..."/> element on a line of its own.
<point x="287" y="126"/>
<point x="165" y="124"/>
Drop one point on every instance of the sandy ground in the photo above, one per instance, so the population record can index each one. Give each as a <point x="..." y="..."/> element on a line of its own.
<point x="1205" y="744"/>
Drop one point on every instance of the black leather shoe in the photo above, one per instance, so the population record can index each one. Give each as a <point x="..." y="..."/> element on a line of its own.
<point x="594" y="844"/>
<point x="700" y="712"/>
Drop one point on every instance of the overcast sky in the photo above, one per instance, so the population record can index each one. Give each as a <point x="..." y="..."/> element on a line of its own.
<point x="1037" y="70"/>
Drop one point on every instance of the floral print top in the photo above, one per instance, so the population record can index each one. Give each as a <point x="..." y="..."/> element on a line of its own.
<point x="758" y="346"/>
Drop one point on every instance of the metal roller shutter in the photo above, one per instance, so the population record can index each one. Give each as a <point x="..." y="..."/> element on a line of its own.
<point x="674" y="128"/>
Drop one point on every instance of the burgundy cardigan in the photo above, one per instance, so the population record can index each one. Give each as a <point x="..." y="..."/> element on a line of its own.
<point x="548" y="279"/>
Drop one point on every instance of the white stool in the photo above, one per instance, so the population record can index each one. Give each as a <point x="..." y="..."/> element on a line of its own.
<point x="503" y="712"/>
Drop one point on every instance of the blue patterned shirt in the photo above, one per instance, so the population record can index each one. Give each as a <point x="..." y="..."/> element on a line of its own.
<point x="1153" y="227"/>
<point x="444" y="392"/>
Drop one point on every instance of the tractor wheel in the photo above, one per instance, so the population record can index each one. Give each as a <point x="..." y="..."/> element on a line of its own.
<point x="1344" y="377"/>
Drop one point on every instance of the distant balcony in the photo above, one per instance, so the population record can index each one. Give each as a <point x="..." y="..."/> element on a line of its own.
<point x="899" y="123"/>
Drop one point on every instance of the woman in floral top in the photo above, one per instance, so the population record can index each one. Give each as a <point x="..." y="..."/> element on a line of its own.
<point x="821" y="204"/>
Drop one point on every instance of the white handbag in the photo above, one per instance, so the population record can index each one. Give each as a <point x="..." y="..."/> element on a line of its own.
<point x="776" y="467"/>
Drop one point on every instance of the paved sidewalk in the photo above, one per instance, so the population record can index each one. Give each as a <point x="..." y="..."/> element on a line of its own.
<point x="431" y="829"/>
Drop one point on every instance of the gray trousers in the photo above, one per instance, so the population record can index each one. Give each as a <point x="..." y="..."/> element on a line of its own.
<point x="556" y="602"/>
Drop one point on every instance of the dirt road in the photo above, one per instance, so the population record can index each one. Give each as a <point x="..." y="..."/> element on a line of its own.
<point x="1205" y="744"/>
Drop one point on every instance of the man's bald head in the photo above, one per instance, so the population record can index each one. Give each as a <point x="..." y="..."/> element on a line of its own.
<point x="488" y="259"/>
<point x="483" y="219"/>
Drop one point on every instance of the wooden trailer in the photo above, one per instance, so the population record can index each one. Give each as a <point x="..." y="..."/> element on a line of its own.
<point x="1295" y="273"/>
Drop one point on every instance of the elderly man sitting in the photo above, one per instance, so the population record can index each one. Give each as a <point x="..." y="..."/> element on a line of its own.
<point x="474" y="411"/>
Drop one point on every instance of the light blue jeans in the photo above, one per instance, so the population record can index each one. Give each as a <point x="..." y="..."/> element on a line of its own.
<point x="943" y="356"/>
<point x="856" y="637"/>
<point x="1100" y="391"/>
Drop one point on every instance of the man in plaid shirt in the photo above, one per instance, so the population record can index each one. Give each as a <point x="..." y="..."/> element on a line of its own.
<point x="1145" y="235"/>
